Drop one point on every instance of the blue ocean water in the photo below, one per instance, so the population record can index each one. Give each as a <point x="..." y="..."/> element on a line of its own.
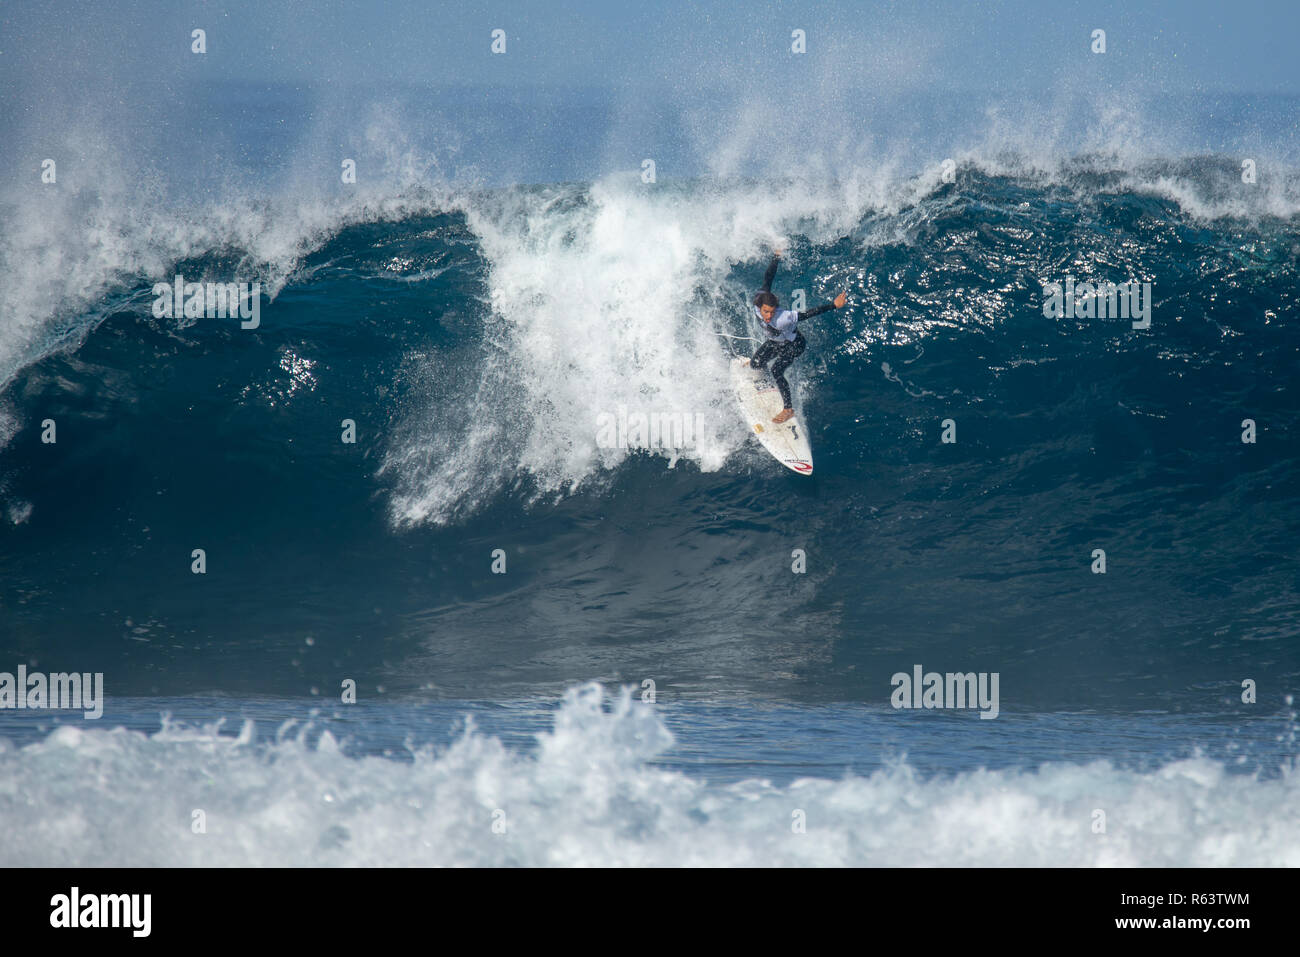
<point x="504" y="590"/>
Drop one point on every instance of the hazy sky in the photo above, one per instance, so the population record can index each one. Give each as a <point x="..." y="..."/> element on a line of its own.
<point x="1156" y="46"/>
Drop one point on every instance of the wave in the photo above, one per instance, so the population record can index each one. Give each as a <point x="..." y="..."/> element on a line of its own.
<point x="474" y="341"/>
<point x="603" y="296"/>
<point x="69" y="256"/>
<point x="590" y="794"/>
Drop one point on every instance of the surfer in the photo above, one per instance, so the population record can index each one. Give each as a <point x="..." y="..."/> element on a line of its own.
<point x="784" y="341"/>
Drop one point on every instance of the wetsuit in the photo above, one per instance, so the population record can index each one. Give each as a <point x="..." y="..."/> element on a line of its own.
<point x="784" y="341"/>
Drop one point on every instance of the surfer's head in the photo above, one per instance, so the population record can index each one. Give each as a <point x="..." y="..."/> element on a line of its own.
<point x="767" y="305"/>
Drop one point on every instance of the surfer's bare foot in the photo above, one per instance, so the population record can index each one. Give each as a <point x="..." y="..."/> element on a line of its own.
<point x="783" y="415"/>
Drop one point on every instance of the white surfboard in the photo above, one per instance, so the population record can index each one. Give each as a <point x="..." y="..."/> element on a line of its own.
<point x="760" y="401"/>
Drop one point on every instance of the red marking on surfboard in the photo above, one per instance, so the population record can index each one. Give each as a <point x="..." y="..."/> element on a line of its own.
<point x="799" y="465"/>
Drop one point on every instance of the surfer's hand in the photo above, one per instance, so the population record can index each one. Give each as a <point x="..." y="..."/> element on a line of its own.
<point x="840" y="299"/>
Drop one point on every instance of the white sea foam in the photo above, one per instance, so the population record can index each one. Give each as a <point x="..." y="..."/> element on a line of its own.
<point x="589" y="795"/>
<point x="111" y="221"/>
<point x="603" y="297"/>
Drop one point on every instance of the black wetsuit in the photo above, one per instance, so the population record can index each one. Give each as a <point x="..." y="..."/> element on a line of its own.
<point x="784" y="352"/>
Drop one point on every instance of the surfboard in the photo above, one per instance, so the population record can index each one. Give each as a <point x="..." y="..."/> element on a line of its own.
<point x="760" y="400"/>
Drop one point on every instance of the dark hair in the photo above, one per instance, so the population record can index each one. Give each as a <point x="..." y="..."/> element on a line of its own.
<point x="766" y="299"/>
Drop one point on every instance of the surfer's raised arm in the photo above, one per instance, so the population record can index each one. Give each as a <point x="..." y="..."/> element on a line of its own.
<point x="807" y="313"/>
<point x="771" y="272"/>
<point x="837" y="304"/>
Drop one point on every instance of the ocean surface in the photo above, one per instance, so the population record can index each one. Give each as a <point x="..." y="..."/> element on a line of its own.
<point x="567" y="651"/>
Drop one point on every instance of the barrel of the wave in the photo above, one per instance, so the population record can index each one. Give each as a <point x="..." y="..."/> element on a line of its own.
<point x="760" y="402"/>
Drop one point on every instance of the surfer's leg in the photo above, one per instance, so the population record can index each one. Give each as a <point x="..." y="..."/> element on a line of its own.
<point x="778" y="373"/>
<point x="763" y="355"/>
<point x="789" y="352"/>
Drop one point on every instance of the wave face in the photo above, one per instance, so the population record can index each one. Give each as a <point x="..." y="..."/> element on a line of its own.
<point x="476" y="337"/>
